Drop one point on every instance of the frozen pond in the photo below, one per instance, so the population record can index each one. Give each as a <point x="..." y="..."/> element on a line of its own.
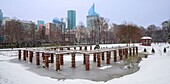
<point x="151" y="69"/>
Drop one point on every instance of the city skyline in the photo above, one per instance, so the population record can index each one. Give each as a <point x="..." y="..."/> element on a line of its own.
<point x="142" y="13"/>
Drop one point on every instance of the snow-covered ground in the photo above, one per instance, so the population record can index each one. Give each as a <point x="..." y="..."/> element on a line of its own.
<point x="153" y="70"/>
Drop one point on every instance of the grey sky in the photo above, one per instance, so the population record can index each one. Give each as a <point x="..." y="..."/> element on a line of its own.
<point x="140" y="12"/>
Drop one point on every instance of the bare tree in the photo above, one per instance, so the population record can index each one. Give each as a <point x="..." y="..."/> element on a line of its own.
<point x="103" y="23"/>
<point x="129" y="33"/>
<point x="151" y="31"/>
<point x="13" y="31"/>
<point x="41" y="33"/>
<point x="113" y="31"/>
<point x="81" y="33"/>
<point x="99" y="29"/>
<point x="166" y="29"/>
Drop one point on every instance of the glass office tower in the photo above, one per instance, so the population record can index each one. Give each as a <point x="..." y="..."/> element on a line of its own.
<point x="71" y="19"/>
<point x="1" y="17"/>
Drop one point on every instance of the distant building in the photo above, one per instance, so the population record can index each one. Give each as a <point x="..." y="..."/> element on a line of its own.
<point x="41" y="31"/>
<point x="50" y="27"/>
<point x="27" y="25"/>
<point x="56" y="20"/>
<point x="26" y="30"/>
<point x="5" y="19"/>
<point x="60" y="24"/>
<point x="2" y="37"/>
<point x="40" y="25"/>
<point x="69" y="39"/>
<point x="92" y="15"/>
<point x="71" y="21"/>
<point x="40" y="22"/>
<point x="1" y="17"/>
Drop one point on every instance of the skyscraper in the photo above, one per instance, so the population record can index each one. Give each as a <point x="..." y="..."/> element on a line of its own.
<point x="59" y="24"/>
<point x="71" y="22"/>
<point x="1" y="17"/>
<point x="92" y="12"/>
<point x="40" y="23"/>
<point x="92" y="15"/>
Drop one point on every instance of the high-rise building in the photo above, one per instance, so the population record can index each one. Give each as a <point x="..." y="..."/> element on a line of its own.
<point x="56" y="20"/>
<point x="1" y="16"/>
<point x="50" y="29"/>
<point x="59" y="24"/>
<point x="40" y="23"/>
<point x="5" y="19"/>
<point x="27" y="25"/>
<point x="71" y="21"/>
<point x="92" y="15"/>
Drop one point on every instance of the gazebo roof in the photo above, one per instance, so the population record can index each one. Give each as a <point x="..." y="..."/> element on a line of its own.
<point x="146" y="37"/>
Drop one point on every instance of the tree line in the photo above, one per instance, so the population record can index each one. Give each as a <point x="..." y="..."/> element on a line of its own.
<point x="14" y="33"/>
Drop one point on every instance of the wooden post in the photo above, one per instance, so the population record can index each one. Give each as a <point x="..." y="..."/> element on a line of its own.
<point x="19" y="54"/>
<point x="120" y="54"/>
<point x="31" y="56"/>
<point x="102" y="55"/>
<point x="126" y="53"/>
<point x="57" y="62"/>
<point x="133" y="51"/>
<point x="130" y="52"/>
<point x="73" y="60"/>
<point x="24" y="57"/>
<point x="85" y="47"/>
<point x="80" y="47"/>
<point x="94" y="57"/>
<point x="52" y="58"/>
<point x="74" y="48"/>
<point x="136" y="50"/>
<point x="98" y="60"/>
<point x="115" y="56"/>
<point x="46" y="60"/>
<point x="61" y="59"/>
<point x="61" y="48"/>
<point x="108" y="58"/>
<point x="37" y="58"/>
<point x="68" y="48"/>
<point x="87" y="62"/>
<point x="84" y="58"/>
<point x="55" y="48"/>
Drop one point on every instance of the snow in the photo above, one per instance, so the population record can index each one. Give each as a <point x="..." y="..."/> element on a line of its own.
<point x="146" y="37"/>
<point x="153" y="70"/>
<point x="105" y="67"/>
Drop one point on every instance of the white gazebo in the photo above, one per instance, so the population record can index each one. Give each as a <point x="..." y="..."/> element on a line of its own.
<point x="146" y="41"/>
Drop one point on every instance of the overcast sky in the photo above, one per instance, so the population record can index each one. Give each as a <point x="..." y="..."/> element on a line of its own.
<point x="140" y="12"/>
